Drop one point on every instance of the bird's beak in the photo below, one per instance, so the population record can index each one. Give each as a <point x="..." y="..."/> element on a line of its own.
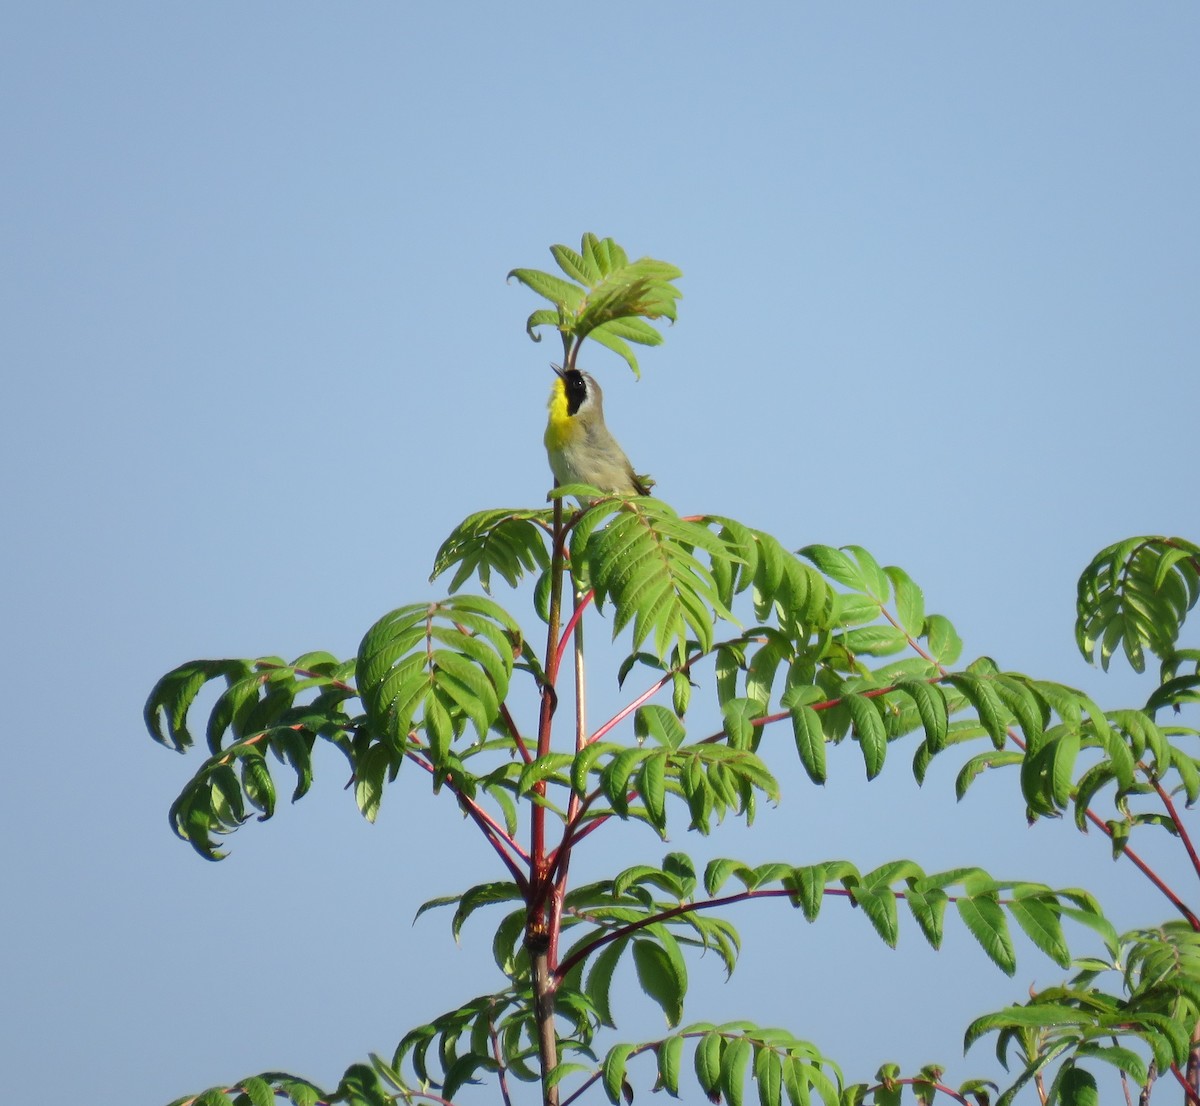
<point x="558" y="369"/>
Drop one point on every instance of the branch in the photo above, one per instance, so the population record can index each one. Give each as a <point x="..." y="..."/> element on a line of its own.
<point x="1184" y="836"/>
<point x="674" y="912"/>
<point x="1092" y="816"/>
<point x="1188" y="1092"/>
<point x="560" y="861"/>
<point x="917" y="1081"/>
<point x="494" y="833"/>
<point x="498" y="1056"/>
<point x="581" y="604"/>
<point x="515" y="733"/>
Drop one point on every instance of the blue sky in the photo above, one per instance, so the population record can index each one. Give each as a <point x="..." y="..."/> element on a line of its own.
<point x="941" y="270"/>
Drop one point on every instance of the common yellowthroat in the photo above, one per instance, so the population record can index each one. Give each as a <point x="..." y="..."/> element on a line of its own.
<point x="580" y="448"/>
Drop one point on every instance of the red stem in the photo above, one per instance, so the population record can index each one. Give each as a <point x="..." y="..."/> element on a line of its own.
<point x="1184" y="836"/>
<point x="515" y="734"/>
<point x="568" y="631"/>
<point x="1188" y="1092"/>
<point x="494" y="833"/>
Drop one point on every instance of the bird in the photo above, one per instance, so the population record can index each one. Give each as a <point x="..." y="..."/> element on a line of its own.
<point x="578" y="443"/>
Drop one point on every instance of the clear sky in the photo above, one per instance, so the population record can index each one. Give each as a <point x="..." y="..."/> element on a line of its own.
<point x="941" y="263"/>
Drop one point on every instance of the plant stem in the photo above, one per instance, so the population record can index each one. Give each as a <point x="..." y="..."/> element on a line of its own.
<point x="1188" y="1091"/>
<point x="501" y="1069"/>
<point x="1173" y="813"/>
<point x="561" y="861"/>
<point x="539" y="897"/>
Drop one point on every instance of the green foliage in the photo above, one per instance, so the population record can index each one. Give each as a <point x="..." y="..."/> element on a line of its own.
<point x="726" y="1058"/>
<point x="733" y="642"/>
<point x="434" y="668"/>
<point x="1136" y="594"/>
<point x="509" y="543"/>
<point x="267" y="707"/>
<point x="607" y="297"/>
<point x="1158" y="972"/>
<point x="642" y="557"/>
<point x="982" y="901"/>
<point x="431" y="679"/>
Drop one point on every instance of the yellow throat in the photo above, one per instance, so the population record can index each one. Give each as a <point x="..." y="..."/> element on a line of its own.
<point x="559" y="427"/>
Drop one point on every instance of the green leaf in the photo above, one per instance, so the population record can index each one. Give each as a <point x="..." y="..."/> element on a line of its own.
<point x="616" y="775"/>
<point x="214" y="1096"/>
<point x="171" y="698"/>
<point x="910" y="602"/>
<point x="931" y="706"/>
<point x="734" y="1063"/>
<point x="660" y="724"/>
<point x="986" y="701"/>
<point x="369" y="775"/>
<point x="614" y="1072"/>
<point x="579" y="268"/>
<point x="973" y="767"/>
<point x="482" y="894"/>
<point x="360" y="1086"/>
<point x="708" y="1062"/>
<point x="739" y="716"/>
<point x="795" y="1083"/>
<point x="875" y="641"/>
<point x="1021" y="701"/>
<point x="558" y="291"/>
<point x="605" y="337"/>
<point x="944" y="643"/>
<point x="1123" y="1059"/>
<point x="1066" y="750"/>
<point x="809" y="884"/>
<point x="659" y="977"/>
<point x="258" y="1091"/>
<point x="929" y="909"/>
<point x="1078" y="1087"/>
<point x="1136" y="594"/>
<point x="670" y="1060"/>
<point x="808" y="732"/>
<point x="1041" y="925"/>
<point x="300" y="1092"/>
<point x="599" y="979"/>
<point x="985" y="920"/>
<point x="870" y="730"/>
<point x="1041" y="1015"/>
<point x="878" y="903"/>
<point x="768" y="1074"/>
<point x="652" y="786"/>
<point x="550" y="766"/>
<point x="836" y="565"/>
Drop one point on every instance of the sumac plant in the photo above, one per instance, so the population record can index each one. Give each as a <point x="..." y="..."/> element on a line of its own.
<point x="736" y="652"/>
